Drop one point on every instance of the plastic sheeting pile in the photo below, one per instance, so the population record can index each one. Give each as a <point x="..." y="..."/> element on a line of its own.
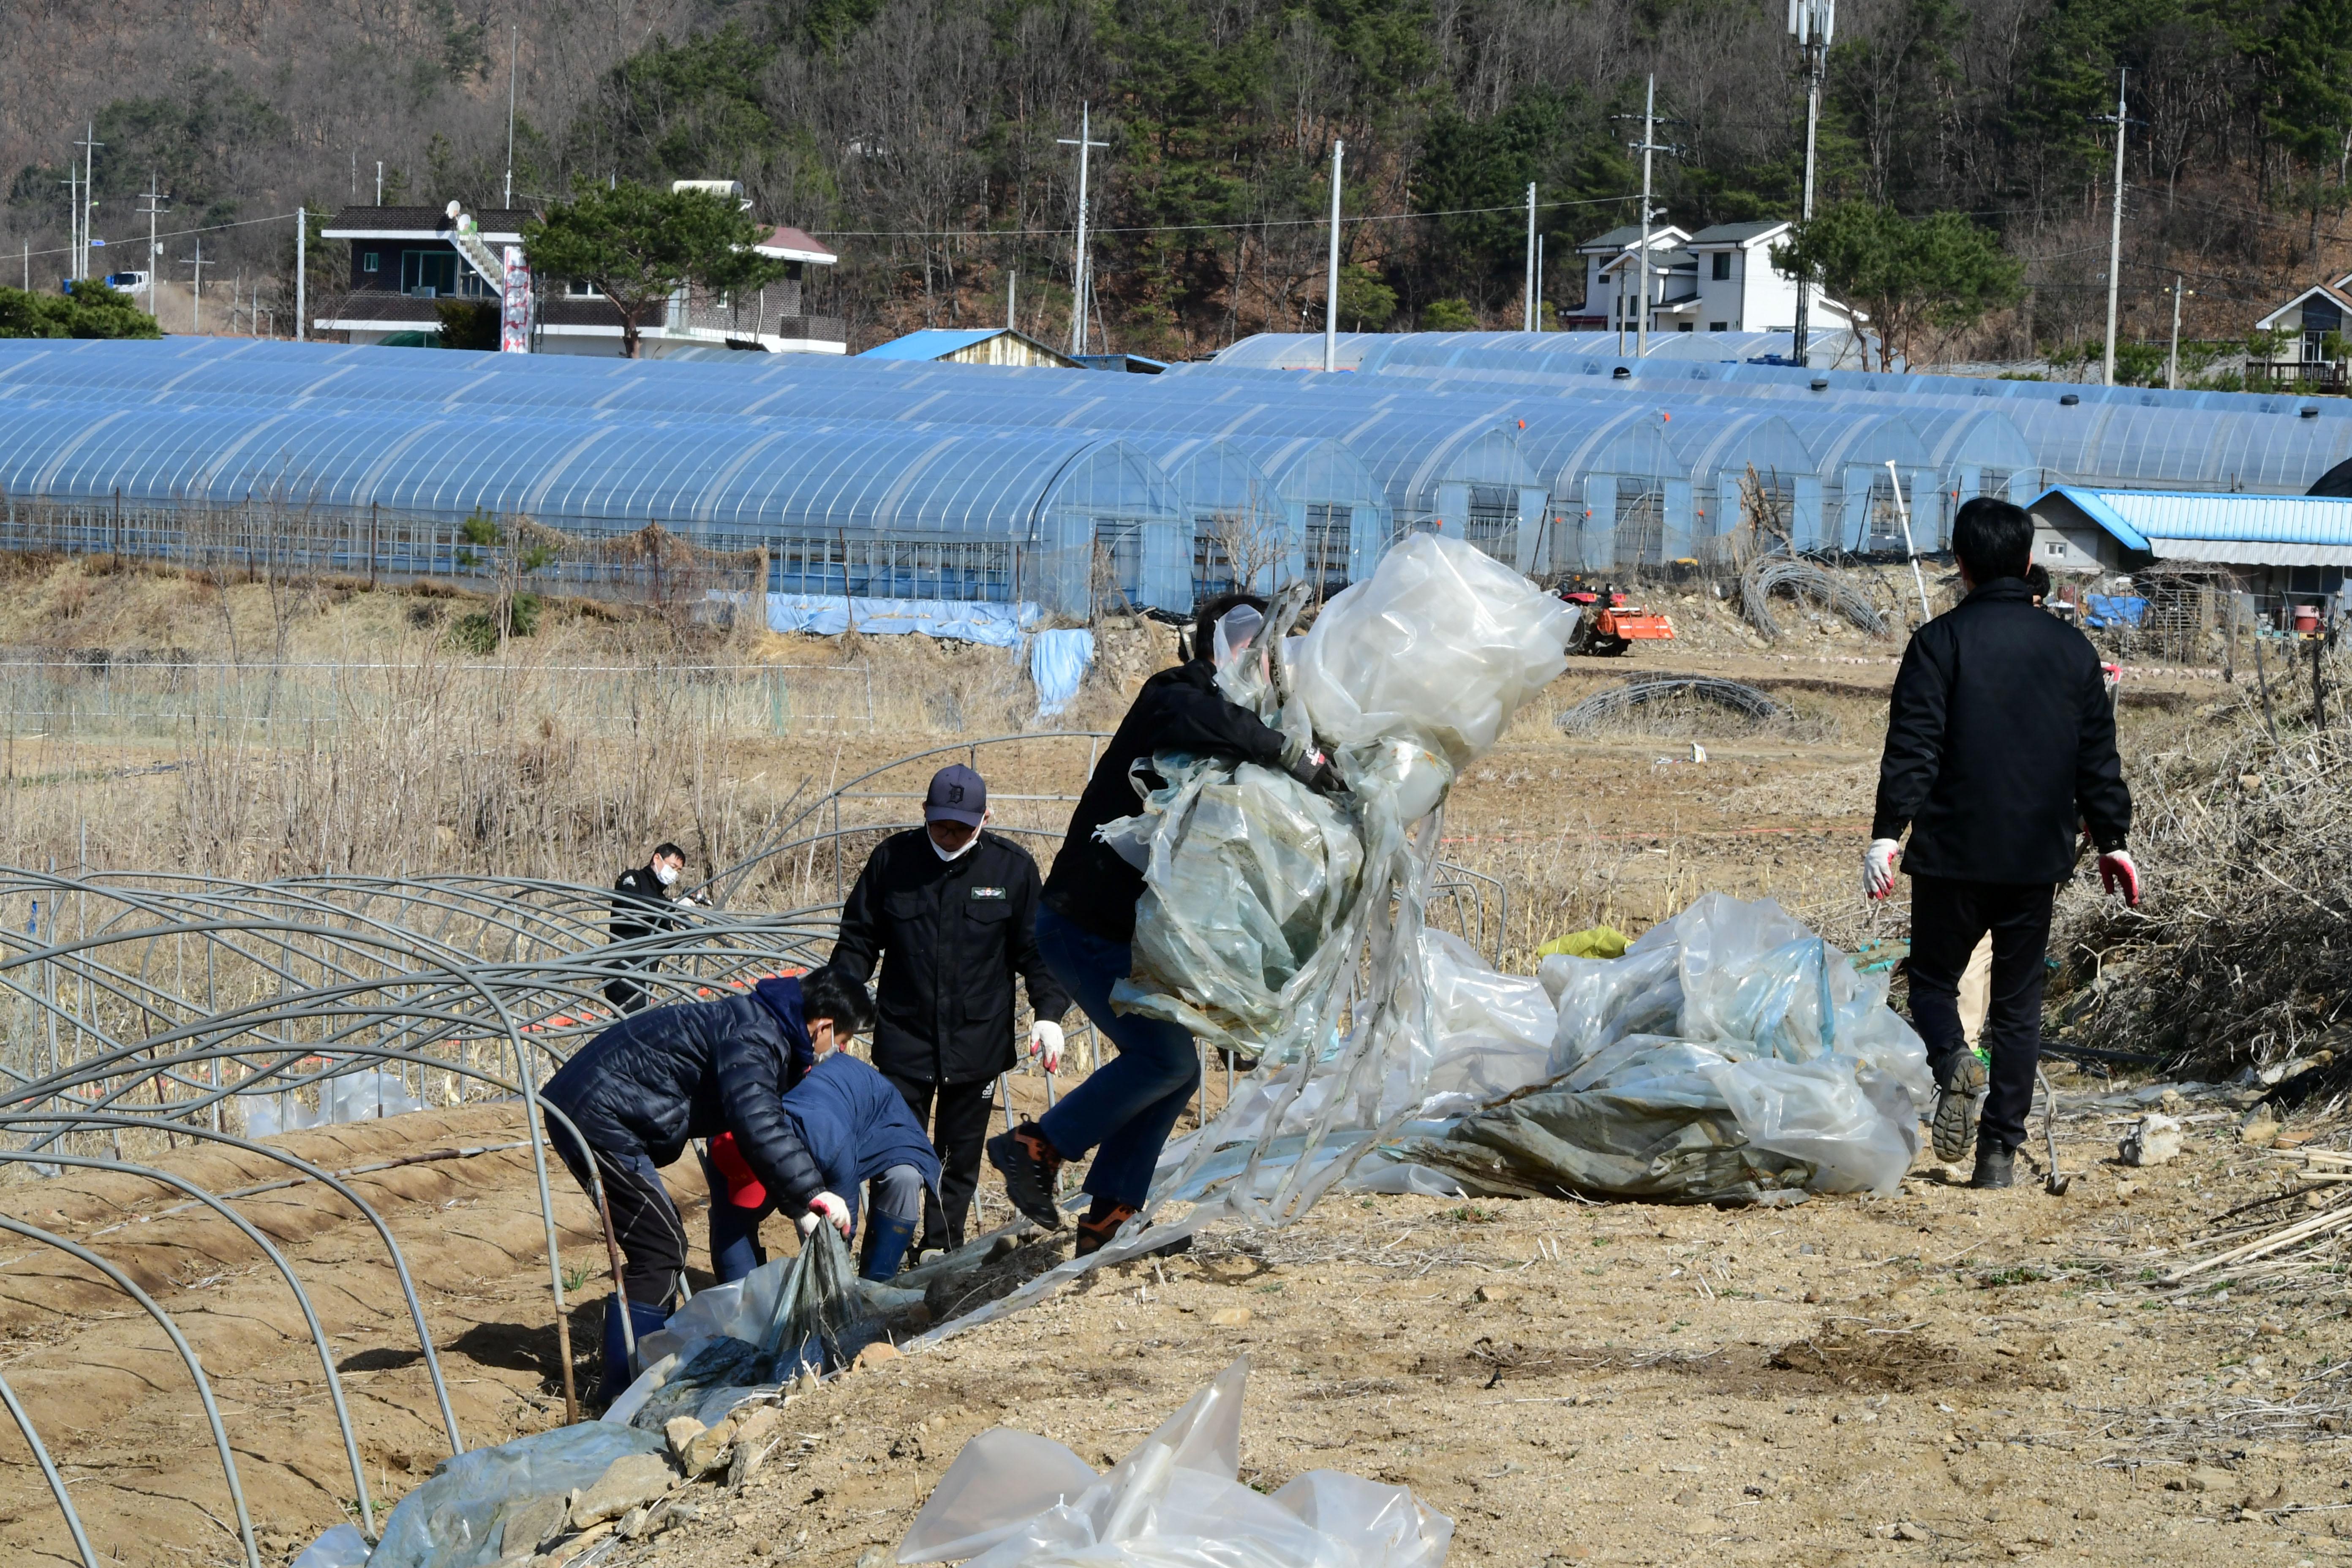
<point x="742" y="1340"/>
<point x="1730" y="1054"/>
<point x="1014" y="1499"/>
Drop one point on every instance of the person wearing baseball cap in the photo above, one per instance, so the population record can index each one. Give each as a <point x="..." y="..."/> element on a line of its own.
<point x="949" y="911"/>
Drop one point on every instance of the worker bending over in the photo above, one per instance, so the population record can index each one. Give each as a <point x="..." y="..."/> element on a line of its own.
<point x="639" y="1091"/>
<point x="2001" y="738"/>
<point x="1125" y="1109"/>
<point x="858" y="1131"/>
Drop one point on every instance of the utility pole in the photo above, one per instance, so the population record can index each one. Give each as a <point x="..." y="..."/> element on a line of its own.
<point x="154" y="198"/>
<point x="301" y="272"/>
<point x="1649" y="145"/>
<point x="514" y="46"/>
<point x="379" y="182"/>
<point x="2172" y="360"/>
<point x="2116" y="228"/>
<point x="72" y="183"/>
<point x="1539" y="282"/>
<point x="1810" y="23"/>
<point x="1332" y="275"/>
<point x="1532" y="319"/>
<point x="89" y="144"/>
<point x="1011" y="299"/>
<point x="196" y="311"/>
<point x="1085" y="144"/>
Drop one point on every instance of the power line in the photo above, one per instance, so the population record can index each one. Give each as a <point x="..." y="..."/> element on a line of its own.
<point x="1190" y="227"/>
<point x="183" y="233"/>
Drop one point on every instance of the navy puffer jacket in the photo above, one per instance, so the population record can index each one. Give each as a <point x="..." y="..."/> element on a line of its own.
<point x="667" y="1075"/>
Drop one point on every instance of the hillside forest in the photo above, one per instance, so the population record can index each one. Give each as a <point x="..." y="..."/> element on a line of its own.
<point x="925" y="141"/>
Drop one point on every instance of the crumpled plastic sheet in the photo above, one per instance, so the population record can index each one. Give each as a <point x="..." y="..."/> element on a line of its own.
<point x="1058" y="663"/>
<point x="349" y="1096"/>
<point x="1731" y="1054"/>
<point x="341" y="1547"/>
<point x="1014" y="1499"/>
<point x="743" y="1340"/>
<point x="458" y="1518"/>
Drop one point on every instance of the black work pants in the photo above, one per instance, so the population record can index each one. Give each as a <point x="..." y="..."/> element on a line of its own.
<point x="646" y="1223"/>
<point x="1948" y="919"/>
<point x="957" y="1115"/>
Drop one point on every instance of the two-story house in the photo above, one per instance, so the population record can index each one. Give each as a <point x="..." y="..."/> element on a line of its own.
<point x="1719" y="279"/>
<point x="406" y="260"/>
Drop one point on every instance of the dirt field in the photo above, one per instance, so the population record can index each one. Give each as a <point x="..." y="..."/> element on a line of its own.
<point x="1943" y="1375"/>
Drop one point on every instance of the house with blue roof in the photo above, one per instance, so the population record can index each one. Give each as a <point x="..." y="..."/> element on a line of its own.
<point x="971" y="345"/>
<point x="2278" y="548"/>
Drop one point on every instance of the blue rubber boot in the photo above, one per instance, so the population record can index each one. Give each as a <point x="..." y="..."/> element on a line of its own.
<point x="618" y="1374"/>
<point x="887" y="1241"/>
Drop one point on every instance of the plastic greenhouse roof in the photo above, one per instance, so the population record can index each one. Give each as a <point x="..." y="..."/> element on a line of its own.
<point x="792" y="475"/>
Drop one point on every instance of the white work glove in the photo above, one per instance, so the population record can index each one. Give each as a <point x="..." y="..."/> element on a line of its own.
<point x="831" y="1209"/>
<point x="2118" y="875"/>
<point x="1878" y="866"/>
<point x="1045" y="1044"/>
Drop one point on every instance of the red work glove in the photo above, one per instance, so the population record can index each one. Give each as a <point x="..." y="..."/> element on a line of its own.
<point x="832" y="1210"/>
<point x="2118" y="875"/>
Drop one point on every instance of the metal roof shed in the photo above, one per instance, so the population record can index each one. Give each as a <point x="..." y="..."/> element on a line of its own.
<point x="2078" y="528"/>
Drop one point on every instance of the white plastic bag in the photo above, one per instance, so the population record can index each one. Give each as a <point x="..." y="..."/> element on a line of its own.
<point x="1014" y="1500"/>
<point x="1441" y="644"/>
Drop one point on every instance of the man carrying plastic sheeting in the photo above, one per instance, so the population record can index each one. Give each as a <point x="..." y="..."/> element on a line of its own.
<point x="950" y="912"/>
<point x="1125" y="1109"/>
<point x="641" y="1089"/>
<point x="860" y="1132"/>
<point x="1999" y="740"/>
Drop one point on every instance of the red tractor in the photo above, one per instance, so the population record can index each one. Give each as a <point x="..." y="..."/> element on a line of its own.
<point x="1608" y="626"/>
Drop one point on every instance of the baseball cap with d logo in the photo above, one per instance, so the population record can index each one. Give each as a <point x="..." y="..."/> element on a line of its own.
<point x="957" y="794"/>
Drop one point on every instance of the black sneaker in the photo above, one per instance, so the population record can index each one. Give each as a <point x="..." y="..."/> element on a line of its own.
<point x="1029" y="1165"/>
<point x="1995" y="1166"/>
<point x="1959" y="1090"/>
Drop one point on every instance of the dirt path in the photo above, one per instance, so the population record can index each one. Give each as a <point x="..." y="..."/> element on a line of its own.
<point x="1945" y="1376"/>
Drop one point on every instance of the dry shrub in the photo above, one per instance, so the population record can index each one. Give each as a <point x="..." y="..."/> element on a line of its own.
<point x="2242" y="954"/>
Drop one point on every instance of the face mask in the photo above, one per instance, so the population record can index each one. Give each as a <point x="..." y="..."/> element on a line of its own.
<point x="951" y="855"/>
<point x="666" y="874"/>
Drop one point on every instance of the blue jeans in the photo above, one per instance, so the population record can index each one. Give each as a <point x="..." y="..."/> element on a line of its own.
<point x="1126" y="1107"/>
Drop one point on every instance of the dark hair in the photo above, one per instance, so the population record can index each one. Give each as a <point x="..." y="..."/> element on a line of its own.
<point x="1205" y="619"/>
<point x="2037" y="579"/>
<point x="1992" y="539"/>
<point x="666" y="850"/>
<point x="828" y="993"/>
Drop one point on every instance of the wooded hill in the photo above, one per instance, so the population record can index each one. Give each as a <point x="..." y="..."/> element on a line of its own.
<point x="922" y="137"/>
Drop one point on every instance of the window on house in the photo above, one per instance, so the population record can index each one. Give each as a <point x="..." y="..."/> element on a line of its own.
<point x="1719" y="326"/>
<point x="577" y="289"/>
<point x="1685" y="326"/>
<point x="367" y="261"/>
<point x="429" y="274"/>
<point x="1722" y="267"/>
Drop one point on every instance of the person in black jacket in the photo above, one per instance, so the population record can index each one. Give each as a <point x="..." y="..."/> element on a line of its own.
<point x="1125" y="1110"/>
<point x="638" y="1091"/>
<point x="950" y="910"/>
<point x="2000" y="739"/>
<point x="645" y="898"/>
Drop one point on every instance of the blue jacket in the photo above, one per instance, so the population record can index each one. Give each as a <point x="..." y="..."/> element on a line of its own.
<point x="856" y="1126"/>
<point x="661" y="1076"/>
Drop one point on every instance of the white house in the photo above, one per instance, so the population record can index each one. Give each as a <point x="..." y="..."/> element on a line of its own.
<point x="2304" y="324"/>
<point x="1720" y="280"/>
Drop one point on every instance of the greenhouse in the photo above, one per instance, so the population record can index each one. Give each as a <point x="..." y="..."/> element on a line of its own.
<point x="1014" y="516"/>
<point x="1335" y="506"/>
<point x="1852" y="450"/>
<point x="1241" y="532"/>
<point x="1721" y="446"/>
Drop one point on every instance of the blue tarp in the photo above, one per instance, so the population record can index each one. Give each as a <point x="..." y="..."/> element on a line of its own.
<point x="830" y="614"/>
<point x="2104" y="610"/>
<point x="1057" y="662"/>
